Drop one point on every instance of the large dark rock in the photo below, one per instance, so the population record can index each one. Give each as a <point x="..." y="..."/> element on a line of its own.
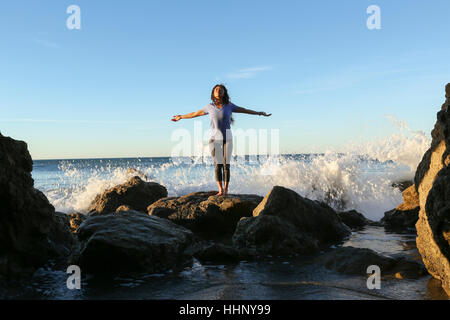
<point x="30" y="232"/>
<point x="72" y="220"/>
<point x="135" y="193"/>
<point x="206" y="214"/>
<point x="212" y="252"/>
<point x="285" y="223"/>
<point x="405" y="216"/>
<point x="401" y="221"/>
<point x="272" y="235"/>
<point x="354" y="219"/>
<point x="131" y="241"/>
<point x="432" y="181"/>
<point x="355" y="261"/>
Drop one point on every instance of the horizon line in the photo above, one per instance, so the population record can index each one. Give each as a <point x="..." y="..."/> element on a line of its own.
<point x="150" y="157"/>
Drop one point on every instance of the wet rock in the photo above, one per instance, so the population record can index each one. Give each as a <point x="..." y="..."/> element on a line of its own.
<point x="206" y="214"/>
<point x="354" y="219"/>
<point x="30" y="232"/>
<point x="401" y="221"/>
<point x="131" y="241"/>
<point x="285" y="223"/>
<point x="435" y="291"/>
<point x="135" y="193"/>
<point x="405" y="216"/>
<point x="123" y="208"/>
<point x="75" y="220"/>
<point x="432" y="181"/>
<point x="272" y="235"/>
<point x="136" y="172"/>
<point x="212" y="252"/>
<point x="355" y="261"/>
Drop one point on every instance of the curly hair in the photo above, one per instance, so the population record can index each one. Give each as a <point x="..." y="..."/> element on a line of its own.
<point x="224" y="98"/>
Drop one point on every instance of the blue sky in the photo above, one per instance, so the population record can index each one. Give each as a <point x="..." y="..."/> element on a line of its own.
<point x="110" y="89"/>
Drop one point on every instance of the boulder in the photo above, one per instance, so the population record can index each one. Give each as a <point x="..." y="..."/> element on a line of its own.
<point x="135" y="172"/>
<point x="123" y="208"/>
<point x="272" y="235"/>
<point x="284" y="223"/>
<point x="74" y="220"/>
<point x="401" y="221"/>
<point x="405" y="216"/>
<point x="432" y="181"/>
<point x="30" y="232"/>
<point x="131" y="241"/>
<point x="206" y="214"/>
<point x="355" y="261"/>
<point x="354" y="219"/>
<point x="135" y="193"/>
<point x="212" y="252"/>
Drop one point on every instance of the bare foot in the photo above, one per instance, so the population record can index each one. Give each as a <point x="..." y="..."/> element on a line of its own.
<point x="225" y="192"/>
<point x="220" y="193"/>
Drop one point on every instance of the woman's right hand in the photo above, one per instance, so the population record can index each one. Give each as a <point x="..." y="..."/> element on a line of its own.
<point x="176" y="118"/>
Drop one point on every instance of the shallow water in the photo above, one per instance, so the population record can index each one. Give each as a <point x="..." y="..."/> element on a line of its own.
<point x="272" y="279"/>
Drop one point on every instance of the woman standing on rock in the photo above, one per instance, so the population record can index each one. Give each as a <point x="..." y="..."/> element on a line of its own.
<point x="220" y="111"/>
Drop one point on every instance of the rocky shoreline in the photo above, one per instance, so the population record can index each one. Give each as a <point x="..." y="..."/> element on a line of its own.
<point x="136" y="227"/>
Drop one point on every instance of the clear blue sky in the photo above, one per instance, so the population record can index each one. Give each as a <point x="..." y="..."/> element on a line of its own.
<point x="110" y="89"/>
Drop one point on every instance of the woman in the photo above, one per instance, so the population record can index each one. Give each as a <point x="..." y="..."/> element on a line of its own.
<point x="221" y="142"/>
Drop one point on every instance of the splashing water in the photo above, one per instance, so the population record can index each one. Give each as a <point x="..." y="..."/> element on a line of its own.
<point x="360" y="178"/>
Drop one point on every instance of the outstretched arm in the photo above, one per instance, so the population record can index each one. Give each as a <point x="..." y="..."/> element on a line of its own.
<point x="191" y="115"/>
<point x="248" y="111"/>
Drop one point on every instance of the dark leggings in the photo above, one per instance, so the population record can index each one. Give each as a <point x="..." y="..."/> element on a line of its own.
<point x="221" y="158"/>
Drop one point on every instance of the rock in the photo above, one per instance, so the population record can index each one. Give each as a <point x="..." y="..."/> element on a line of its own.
<point x="447" y="98"/>
<point x="402" y="185"/>
<point x="405" y="216"/>
<point x="135" y="193"/>
<point x="401" y="221"/>
<point x="206" y="214"/>
<point x="410" y="199"/>
<point x="271" y="235"/>
<point x="131" y="241"/>
<point x="136" y="172"/>
<point x="432" y="181"/>
<point x="30" y="232"/>
<point x="285" y="223"/>
<point x="355" y="261"/>
<point x="354" y="219"/>
<point x="123" y="208"/>
<point x="75" y="220"/>
<point x="211" y="252"/>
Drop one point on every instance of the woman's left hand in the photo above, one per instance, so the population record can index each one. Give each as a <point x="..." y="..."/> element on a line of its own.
<point x="265" y="114"/>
